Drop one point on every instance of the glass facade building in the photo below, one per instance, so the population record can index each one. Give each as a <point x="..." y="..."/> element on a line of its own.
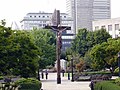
<point x="86" y="11"/>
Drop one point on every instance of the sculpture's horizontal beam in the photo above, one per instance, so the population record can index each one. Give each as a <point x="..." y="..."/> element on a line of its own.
<point x="56" y="27"/>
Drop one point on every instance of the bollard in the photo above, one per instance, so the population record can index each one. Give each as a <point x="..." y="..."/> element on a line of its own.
<point x="63" y="73"/>
<point x="68" y="76"/>
<point x="42" y="75"/>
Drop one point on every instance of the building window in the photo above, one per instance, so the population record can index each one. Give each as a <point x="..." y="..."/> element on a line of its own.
<point x="40" y="25"/>
<point x="103" y="27"/>
<point x="64" y="16"/>
<point x="47" y="16"/>
<point x="44" y="24"/>
<point x="30" y="16"/>
<point x="43" y="16"/>
<point x="39" y="16"/>
<point x="109" y="27"/>
<point x="116" y="26"/>
<point x="97" y="28"/>
<point x="44" y="21"/>
<point x="34" y="16"/>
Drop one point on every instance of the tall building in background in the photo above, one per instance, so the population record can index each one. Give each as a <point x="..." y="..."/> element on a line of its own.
<point x="86" y="11"/>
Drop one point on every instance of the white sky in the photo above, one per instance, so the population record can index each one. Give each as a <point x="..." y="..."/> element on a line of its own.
<point x="15" y="10"/>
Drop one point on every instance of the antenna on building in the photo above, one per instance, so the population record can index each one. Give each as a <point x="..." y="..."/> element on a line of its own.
<point x="14" y="26"/>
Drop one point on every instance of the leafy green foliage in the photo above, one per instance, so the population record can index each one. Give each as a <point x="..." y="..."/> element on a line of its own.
<point x="18" y="54"/>
<point x="83" y="43"/>
<point x="63" y="55"/>
<point x="29" y="84"/>
<point x="80" y="42"/>
<point x="27" y="54"/>
<point x="106" y="85"/>
<point x="45" y="41"/>
<point x="100" y="36"/>
<point x="87" y="39"/>
<point x="105" y="55"/>
<point x="116" y="70"/>
<point x="3" y="22"/>
<point x="117" y="81"/>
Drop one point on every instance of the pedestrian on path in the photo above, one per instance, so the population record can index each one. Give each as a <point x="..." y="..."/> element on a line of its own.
<point x="42" y="74"/>
<point x="46" y="73"/>
<point x="92" y="85"/>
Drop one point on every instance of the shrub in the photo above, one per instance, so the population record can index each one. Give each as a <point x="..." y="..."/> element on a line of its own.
<point x="117" y="81"/>
<point x="97" y="72"/>
<point x="28" y="84"/>
<point x="106" y="85"/>
<point x="116" y="70"/>
<point x="1" y="77"/>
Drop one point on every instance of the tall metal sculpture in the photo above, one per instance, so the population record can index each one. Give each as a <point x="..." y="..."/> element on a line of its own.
<point x="56" y="26"/>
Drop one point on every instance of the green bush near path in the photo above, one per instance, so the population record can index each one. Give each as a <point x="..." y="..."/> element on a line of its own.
<point x="117" y="81"/>
<point x="1" y="77"/>
<point x="97" y="72"/>
<point x="106" y="85"/>
<point x="28" y="84"/>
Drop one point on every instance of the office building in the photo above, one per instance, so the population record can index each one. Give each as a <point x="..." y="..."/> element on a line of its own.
<point x="112" y="26"/>
<point x="85" y="11"/>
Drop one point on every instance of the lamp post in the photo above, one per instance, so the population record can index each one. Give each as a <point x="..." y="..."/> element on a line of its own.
<point x="67" y="69"/>
<point x="119" y="62"/>
<point x="38" y="75"/>
<point x="72" y="69"/>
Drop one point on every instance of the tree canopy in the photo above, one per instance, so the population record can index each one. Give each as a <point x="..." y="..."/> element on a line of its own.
<point x="45" y="40"/>
<point x="18" y="53"/>
<point x="87" y="39"/>
<point x="105" y="55"/>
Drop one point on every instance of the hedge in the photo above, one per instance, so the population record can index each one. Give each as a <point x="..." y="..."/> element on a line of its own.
<point x="106" y="85"/>
<point x="28" y="84"/>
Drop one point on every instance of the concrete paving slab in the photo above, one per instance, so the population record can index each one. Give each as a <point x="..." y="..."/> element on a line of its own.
<point x="51" y="84"/>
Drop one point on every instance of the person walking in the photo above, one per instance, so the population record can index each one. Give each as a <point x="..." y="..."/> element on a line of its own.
<point x="92" y="85"/>
<point x="46" y="73"/>
<point x="42" y="74"/>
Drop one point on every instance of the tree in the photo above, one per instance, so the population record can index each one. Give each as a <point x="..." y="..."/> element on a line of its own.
<point x="18" y="54"/>
<point x="5" y="45"/>
<point x="26" y="54"/>
<point x="63" y="55"/>
<point x="80" y="42"/>
<point x="105" y="55"/>
<point x="80" y="66"/>
<point x="87" y="39"/>
<point x="3" y="23"/>
<point x="101" y="36"/>
<point x="45" y="40"/>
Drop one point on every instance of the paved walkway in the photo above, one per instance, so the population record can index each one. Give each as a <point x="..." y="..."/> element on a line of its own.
<point x="51" y="84"/>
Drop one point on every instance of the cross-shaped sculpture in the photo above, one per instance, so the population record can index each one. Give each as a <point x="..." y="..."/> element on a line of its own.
<point x="58" y="29"/>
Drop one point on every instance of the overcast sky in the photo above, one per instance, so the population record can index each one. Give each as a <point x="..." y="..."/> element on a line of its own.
<point x="15" y="10"/>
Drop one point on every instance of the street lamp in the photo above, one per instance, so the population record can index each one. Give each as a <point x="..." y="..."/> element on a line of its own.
<point x="72" y="69"/>
<point x="119" y="62"/>
<point x="67" y="68"/>
<point x="38" y="75"/>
